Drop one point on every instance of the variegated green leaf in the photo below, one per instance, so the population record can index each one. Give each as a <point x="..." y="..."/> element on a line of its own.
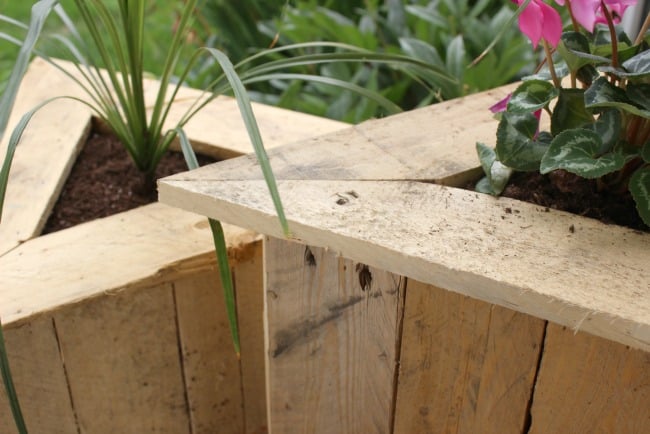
<point x="570" y="111"/>
<point x="574" y="49"/>
<point x="639" y="94"/>
<point x="496" y="174"/>
<point x="638" y="66"/>
<point x="603" y="94"/>
<point x="518" y="144"/>
<point x="640" y="189"/>
<point x="531" y="95"/>
<point x="577" y="151"/>
<point x="561" y="70"/>
<point x="608" y="128"/>
<point x="645" y="152"/>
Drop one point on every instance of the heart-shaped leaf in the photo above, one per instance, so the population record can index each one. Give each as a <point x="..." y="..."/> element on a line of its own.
<point x="496" y="174"/>
<point x="570" y="111"/>
<point x="531" y="95"/>
<point x="603" y="94"/>
<point x="608" y="128"/>
<point x="577" y="151"/>
<point x="518" y="144"/>
<point x="639" y="94"/>
<point x="574" y="49"/>
<point x="638" y="66"/>
<point x="640" y="189"/>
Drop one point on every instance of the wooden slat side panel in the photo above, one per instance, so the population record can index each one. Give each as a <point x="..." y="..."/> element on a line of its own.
<point x="553" y="265"/>
<point x="212" y="374"/>
<point x="332" y="327"/>
<point x="123" y="363"/>
<point x="247" y="263"/>
<point x="466" y="366"/>
<point x="588" y="384"/>
<point x="40" y="380"/>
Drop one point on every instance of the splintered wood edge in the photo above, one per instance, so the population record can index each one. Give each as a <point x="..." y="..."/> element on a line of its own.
<point x="542" y="262"/>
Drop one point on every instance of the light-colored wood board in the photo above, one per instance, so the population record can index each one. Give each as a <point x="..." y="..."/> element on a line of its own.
<point x="212" y="373"/>
<point x="553" y="265"/>
<point x="218" y="128"/>
<point x="589" y="384"/>
<point x="123" y="362"/>
<point x="45" y="155"/>
<point x="435" y="143"/>
<point x="154" y="243"/>
<point x="247" y="266"/>
<point x="332" y="331"/>
<point x="466" y="366"/>
<point x="57" y="132"/>
<point x="40" y="380"/>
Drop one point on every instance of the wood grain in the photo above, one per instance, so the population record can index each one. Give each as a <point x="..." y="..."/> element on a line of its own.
<point x="553" y="265"/>
<point x="40" y="378"/>
<point x="212" y="373"/>
<point x="247" y="264"/>
<point x="332" y="338"/>
<point x="121" y="358"/>
<point x="589" y="384"/>
<point x="466" y="366"/>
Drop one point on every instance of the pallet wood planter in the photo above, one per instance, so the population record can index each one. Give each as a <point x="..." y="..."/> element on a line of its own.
<point x="118" y="325"/>
<point x="403" y="304"/>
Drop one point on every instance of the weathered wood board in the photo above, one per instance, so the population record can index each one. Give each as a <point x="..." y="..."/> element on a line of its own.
<point x="589" y="384"/>
<point x="333" y="329"/>
<point x="466" y="366"/>
<point x="52" y="141"/>
<point x="129" y="256"/>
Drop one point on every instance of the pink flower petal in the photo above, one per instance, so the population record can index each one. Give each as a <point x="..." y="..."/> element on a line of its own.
<point x="501" y="105"/>
<point x="552" y="24"/>
<point x="530" y="22"/>
<point x="584" y="12"/>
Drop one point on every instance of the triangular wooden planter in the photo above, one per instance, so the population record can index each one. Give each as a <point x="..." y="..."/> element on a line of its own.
<point x="118" y="325"/>
<point x="404" y="304"/>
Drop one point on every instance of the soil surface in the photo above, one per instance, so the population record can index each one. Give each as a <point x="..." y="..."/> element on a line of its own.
<point x="567" y="192"/>
<point x="104" y="181"/>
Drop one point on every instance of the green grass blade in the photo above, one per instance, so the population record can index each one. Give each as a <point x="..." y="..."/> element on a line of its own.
<point x="220" y="249"/>
<point x="243" y="101"/>
<point x="390" y="106"/>
<point x="40" y="12"/>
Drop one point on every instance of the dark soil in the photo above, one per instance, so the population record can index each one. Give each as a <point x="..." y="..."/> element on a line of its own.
<point x="104" y="181"/>
<point x="567" y="192"/>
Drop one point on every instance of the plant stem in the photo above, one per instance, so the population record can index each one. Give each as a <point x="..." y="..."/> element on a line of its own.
<point x="549" y="60"/>
<point x="612" y="33"/>
<point x="642" y="30"/>
<point x="574" y="22"/>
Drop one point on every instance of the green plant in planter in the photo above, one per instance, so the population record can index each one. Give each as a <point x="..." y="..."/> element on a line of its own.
<point x="596" y="91"/>
<point x="116" y="91"/>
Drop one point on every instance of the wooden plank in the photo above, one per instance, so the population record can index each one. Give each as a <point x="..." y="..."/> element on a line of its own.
<point x="45" y="155"/>
<point x="123" y="363"/>
<point x="589" y="384"/>
<point x="247" y="263"/>
<point x="332" y="331"/>
<point x="435" y="143"/>
<point x="553" y="265"/>
<point x="466" y="366"/>
<point x="212" y="374"/>
<point x="57" y="132"/>
<point x="69" y="266"/>
<point x="40" y="379"/>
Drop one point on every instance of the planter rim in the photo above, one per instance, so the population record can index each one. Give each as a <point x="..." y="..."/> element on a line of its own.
<point x="366" y="192"/>
<point x="153" y="243"/>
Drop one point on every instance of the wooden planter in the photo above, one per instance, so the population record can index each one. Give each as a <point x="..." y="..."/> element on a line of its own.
<point x="406" y="305"/>
<point x="118" y="325"/>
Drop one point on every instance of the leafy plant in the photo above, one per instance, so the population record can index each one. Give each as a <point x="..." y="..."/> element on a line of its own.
<point x="443" y="33"/>
<point x="599" y="129"/>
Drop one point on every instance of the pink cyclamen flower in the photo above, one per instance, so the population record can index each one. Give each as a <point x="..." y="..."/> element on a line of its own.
<point x="539" y="20"/>
<point x="590" y="12"/>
